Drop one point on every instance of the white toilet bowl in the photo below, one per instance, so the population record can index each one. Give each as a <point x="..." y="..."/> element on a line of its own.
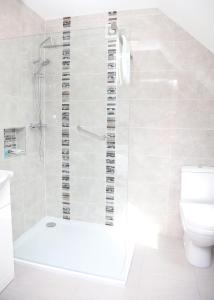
<point x="198" y="224"/>
<point x="197" y="214"/>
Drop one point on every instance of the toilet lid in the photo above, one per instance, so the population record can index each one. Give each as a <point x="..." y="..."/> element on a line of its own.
<point x="198" y="215"/>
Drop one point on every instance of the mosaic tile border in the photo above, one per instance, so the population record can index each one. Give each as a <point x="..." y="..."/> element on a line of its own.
<point x="111" y="114"/>
<point x="66" y="85"/>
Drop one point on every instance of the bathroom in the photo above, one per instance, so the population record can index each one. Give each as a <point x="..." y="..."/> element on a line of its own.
<point x="106" y="149"/>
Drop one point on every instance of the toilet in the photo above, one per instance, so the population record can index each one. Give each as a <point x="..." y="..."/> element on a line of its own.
<point x="197" y="214"/>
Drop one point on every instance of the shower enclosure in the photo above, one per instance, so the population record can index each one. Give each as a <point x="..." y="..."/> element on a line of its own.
<point x="77" y="127"/>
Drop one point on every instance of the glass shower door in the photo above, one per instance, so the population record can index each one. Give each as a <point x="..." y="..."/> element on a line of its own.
<point x="85" y="158"/>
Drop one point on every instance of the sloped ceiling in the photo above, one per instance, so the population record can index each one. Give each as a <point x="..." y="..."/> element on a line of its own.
<point x="195" y="16"/>
<point x="52" y="9"/>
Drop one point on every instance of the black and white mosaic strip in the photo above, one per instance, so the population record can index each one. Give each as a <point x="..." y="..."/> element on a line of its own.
<point x="111" y="112"/>
<point x="66" y="81"/>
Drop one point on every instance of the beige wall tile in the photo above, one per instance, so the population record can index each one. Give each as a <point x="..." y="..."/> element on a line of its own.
<point x="151" y="114"/>
<point x="151" y="142"/>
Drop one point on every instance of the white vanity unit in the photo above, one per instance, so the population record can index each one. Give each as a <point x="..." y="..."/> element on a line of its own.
<point x="6" y="242"/>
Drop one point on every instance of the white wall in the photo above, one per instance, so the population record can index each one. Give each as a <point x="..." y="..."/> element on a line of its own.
<point x="18" y="20"/>
<point x="195" y="16"/>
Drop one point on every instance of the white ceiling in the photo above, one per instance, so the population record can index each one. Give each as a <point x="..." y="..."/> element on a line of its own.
<point x="195" y="16"/>
<point x="52" y="9"/>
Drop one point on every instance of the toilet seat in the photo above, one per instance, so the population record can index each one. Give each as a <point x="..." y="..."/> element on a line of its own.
<point x="198" y="217"/>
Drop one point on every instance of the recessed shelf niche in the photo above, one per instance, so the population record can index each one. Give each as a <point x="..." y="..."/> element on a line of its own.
<point x="14" y="141"/>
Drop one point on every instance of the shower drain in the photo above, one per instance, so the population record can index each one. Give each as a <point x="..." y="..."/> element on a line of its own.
<point x="50" y="224"/>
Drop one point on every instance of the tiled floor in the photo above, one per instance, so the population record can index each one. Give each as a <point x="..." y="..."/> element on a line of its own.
<point x="155" y="274"/>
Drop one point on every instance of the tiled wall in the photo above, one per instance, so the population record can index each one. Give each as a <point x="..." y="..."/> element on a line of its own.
<point x="171" y="114"/>
<point x="166" y="114"/>
<point x="88" y="108"/>
<point x="18" y="110"/>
